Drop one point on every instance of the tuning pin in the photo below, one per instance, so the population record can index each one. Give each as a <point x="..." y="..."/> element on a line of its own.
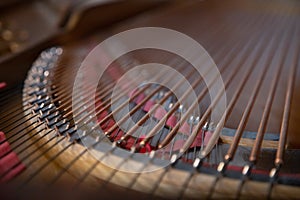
<point x="206" y="126"/>
<point x="273" y="173"/>
<point x="180" y="108"/>
<point x="152" y="154"/>
<point x="191" y="120"/>
<point x="170" y="106"/>
<point x="221" y="167"/>
<point x="197" y="120"/>
<point x="160" y="95"/>
<point x="246" y="170"/>
<point x="197" y="162"/>
<point x="174" y="158"/>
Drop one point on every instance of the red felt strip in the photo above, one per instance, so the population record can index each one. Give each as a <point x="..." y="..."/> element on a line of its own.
<point x="13" y="173"/>
<point x="131" y="141"/>
<point x="176" y="145"/>
<point x="2" y="136"/>
<point x="7" y="163"/>
<point x="117" y="134"/>
<point x="171" y="121"/>
<point x="4" y="148"/>
<point x="2" y="85"/>
<point x="140" y="98"/>
<point x="148" y="105"/>
<point x="207" y="137"/>
<point x="10" y="165"/>
<point x="198" y="140"/>
<point x="185" y="128"/>
<point x="160" y="113"/>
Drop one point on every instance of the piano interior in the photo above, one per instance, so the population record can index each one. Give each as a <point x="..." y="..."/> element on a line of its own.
<point x="150" y="99"/>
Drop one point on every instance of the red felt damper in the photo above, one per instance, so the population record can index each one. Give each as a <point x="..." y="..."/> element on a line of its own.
<point x="171" y="121"/>
<point x="160" y="113"/>
<point x="2" y="85"/>
<point x="148" y="105"/>
<point x="131" y="141"/>
<point x="198" y="140"/>
<point x="10" y="165"/>
<point x="207" y="137"/>
<point x="175" y="146"/>
<point x="140" y="98"/>
<point x="185" y="128"/>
